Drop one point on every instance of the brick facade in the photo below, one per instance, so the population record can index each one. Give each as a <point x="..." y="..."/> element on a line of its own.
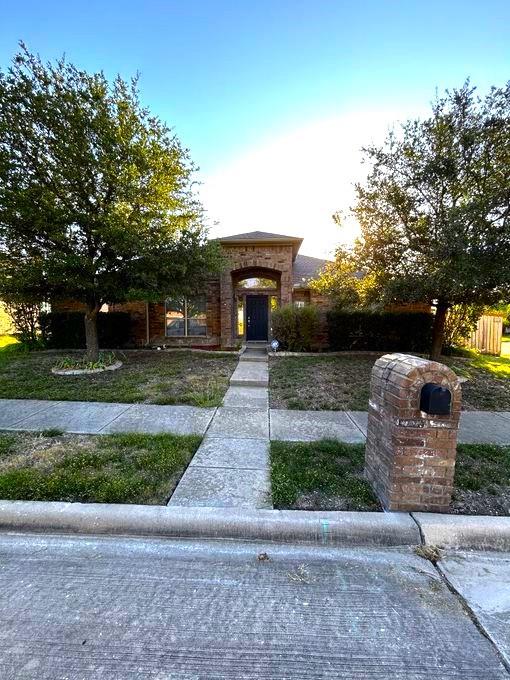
<point x="270" y="256"/>
<point x="253" y="260"/>
<point x="410" y="455"/>
<point x="212" y="339"/>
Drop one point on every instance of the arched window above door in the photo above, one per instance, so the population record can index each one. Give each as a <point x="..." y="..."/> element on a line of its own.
<point x="256" y="282"/>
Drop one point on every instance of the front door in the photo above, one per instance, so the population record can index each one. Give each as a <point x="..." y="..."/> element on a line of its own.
<point x="257" y="317"/>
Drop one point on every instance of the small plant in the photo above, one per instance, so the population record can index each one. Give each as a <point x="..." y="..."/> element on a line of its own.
<point x="52" y="432"/>
<point x="72" y="363"/>
<point x="428" y="552"/>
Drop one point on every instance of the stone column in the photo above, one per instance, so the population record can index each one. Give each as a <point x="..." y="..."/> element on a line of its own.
<point x="227" y="304"/>
<point x="410" y="454"/>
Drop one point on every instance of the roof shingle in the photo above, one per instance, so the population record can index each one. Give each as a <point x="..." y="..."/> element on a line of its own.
<point x="306" y="268"/>
<point x="259" y="236"/>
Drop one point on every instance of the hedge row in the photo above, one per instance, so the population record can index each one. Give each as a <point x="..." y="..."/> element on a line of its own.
<point x="66" y="330"/>
<point x="380" y="331"/>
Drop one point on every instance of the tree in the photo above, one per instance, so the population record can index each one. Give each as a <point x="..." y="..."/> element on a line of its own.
<point x="434" y="210"/>
<point x="96" y="194"/>
<point x="345" y="282"/>
<point x="461" y="321"/>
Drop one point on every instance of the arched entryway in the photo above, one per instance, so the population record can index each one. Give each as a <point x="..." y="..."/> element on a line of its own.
<point x="256" y="292"/>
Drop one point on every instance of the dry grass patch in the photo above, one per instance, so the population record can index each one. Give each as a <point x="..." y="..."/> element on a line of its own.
<point x="148" y="377"/>
<point x="321" y="383"/>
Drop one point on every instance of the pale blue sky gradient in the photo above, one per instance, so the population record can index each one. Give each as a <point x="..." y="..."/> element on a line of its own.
<point x="237" y="79"/>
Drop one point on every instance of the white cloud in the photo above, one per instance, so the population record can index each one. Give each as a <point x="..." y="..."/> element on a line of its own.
<point x="294" y="183"/>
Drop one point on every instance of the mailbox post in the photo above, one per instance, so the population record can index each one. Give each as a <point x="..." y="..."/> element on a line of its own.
<point x="413" y="419"/>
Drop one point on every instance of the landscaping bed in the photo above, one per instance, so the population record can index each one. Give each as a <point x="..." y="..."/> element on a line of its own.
<point x="117" y="468"/>
<point x="151" y="377"/>
<point x="342" y="383"/>
<point x="328" y="475"/>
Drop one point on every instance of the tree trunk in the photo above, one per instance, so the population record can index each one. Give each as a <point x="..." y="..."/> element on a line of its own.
<point x="438" y="330"/>
<point x="91" y="339"/>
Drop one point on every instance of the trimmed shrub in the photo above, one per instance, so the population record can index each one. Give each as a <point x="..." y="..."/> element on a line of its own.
<point x="66" y="330"/>
<point x="379" y="331"/>
<point x="295" y="328"/>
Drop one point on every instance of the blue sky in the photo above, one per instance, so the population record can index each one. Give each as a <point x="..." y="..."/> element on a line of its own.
<point x="274" y="98"/>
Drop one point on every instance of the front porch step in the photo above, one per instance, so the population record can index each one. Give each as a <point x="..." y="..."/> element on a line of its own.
<point x="255" y="358"/>
<point x="250" y="374"/>
<point x="254" y="353"/>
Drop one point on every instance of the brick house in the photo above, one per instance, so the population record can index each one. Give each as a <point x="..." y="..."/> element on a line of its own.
<point x="264" y="271"/>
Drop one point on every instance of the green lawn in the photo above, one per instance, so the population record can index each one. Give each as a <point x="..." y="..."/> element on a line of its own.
<point x="146" y="377"/>
<point x="328" y="475"/>
<point x="323" y="475"/>
<point x="119" y="468"/>
<point x="488" y="381"/>
<point x="341" y="383"/>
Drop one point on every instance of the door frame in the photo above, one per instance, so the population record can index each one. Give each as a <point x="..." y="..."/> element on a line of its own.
<point x="258" y="296"/>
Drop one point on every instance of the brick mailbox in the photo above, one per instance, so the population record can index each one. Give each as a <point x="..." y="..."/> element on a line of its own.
<point x="413" y="419"/>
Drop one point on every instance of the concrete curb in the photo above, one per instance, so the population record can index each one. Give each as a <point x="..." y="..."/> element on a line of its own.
<point x="321" y="528"/>
<point x="464" y="532"/>
<point x="369" y="529"/>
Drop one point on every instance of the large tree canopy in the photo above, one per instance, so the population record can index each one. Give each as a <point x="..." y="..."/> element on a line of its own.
<point x="96" y="194"/>
<point x="434" y="210"/>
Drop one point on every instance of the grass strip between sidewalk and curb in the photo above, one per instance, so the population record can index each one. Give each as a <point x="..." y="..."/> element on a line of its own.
<point x="328" y="475"/>
<point x="116" y="468"/>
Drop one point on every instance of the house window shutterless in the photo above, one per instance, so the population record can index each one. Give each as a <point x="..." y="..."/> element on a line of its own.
<point x="185" y="317"/>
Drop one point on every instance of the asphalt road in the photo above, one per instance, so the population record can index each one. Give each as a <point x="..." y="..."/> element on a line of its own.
<point x="80" y="608"/>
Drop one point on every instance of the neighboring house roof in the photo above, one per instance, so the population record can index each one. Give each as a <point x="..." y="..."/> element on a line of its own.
<point x="306" y="268"/>
<point x="261" y="237"/>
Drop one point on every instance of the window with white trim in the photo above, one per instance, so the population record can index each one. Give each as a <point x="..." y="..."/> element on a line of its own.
<point x="185" y="317"/>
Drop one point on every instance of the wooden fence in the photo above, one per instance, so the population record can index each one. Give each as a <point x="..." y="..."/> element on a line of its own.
<point x="487" y="337"/>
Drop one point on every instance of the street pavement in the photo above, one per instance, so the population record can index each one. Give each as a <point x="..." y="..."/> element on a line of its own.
<point x="87" y="608"/>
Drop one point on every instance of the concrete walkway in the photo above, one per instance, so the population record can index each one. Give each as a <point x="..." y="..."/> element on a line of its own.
<point x="231" y="466"/>
<point x="85" y="417"/>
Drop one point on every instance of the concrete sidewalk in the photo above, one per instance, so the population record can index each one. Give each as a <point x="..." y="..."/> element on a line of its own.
<point x="123" y="608"/>
<point x="476" y="427"/>
<point x="93" y="417"/>
<point x="86" y="417"/>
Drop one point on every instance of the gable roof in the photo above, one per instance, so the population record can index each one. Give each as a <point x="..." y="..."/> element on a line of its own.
<point x="259" y="236"/>
<point x="306" y="268"/>
<point x="263" y="237"/>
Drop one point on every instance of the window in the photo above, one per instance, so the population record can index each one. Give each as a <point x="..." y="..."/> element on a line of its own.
<point x="185" y="316"/>
<point x="240" y="316"/>
<point x="299" y="304"/>
<point x="257" y="282"/>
